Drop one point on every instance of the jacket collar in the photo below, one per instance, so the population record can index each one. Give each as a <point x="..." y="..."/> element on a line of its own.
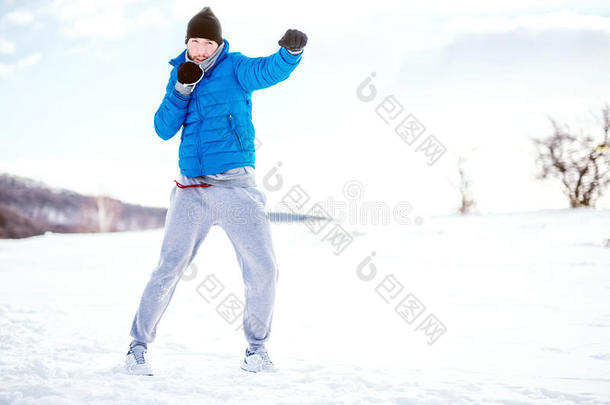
<point x="178" y="60"/>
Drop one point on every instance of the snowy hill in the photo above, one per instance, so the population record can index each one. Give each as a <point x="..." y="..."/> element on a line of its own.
<point x="524" y="299"/>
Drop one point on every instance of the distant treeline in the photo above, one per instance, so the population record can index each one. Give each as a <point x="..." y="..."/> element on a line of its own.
<point x="29" y="208"/>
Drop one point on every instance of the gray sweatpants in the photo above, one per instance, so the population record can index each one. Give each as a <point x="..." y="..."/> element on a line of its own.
<point x="191" y="214"/>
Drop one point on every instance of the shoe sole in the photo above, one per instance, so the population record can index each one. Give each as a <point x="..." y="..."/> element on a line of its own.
<point x="275" y="370"/>
<point x="144" y="374"/>
<point x="139" y="372"/>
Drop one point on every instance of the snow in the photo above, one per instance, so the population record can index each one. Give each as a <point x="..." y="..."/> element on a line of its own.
<point x="524" y="298"/>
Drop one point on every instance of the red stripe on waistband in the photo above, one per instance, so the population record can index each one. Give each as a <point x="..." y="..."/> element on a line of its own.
<point x="192" y="185"/>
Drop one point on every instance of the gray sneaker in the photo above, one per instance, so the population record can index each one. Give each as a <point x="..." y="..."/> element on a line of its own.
<point x="135" y="361"/>
<point x="258" y="361"/>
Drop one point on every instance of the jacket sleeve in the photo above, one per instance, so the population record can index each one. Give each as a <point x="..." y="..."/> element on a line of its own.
<point x="172" y="111"/>
<point x="260" y="73"/>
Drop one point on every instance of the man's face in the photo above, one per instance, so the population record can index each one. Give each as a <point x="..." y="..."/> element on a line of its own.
<point x="200" y="48"/>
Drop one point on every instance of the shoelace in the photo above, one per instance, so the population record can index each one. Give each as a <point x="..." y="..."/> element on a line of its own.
<point x="265" y="357"/>
<point x="139" y="356"/>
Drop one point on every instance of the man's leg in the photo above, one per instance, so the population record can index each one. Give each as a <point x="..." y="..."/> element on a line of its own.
<point x="189" y="219"/>
<point x="247" y="226"/>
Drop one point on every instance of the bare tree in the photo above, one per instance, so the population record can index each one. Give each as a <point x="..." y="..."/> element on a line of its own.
<point x="467" y="203"/>
<point x="580" y="162"/>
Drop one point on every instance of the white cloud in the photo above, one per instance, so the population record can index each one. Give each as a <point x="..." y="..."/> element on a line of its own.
<point x="7" y="68"/>
<point x="7" y="47"/>
<point x="150" y="16"/>
<point x="564" y="20"/>
<point x="109" y="24"/>
<point x="407" y="33"/>
<point x="19" y="16"/>
<point x="108" y="19"/>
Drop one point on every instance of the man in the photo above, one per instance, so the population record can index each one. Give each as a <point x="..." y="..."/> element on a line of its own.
<point x="209" y="96"/>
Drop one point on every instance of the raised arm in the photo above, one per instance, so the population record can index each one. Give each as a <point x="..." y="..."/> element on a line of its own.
<point x="259" y="73"/>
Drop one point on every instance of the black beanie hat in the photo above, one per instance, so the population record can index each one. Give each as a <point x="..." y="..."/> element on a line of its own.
<point x="204" y="24"/>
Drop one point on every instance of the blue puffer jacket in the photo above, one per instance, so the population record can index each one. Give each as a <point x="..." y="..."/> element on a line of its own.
<point x="218" y="134"/>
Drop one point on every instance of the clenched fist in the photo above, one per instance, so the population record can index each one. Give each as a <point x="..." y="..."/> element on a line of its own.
<point x="293" y="40"/>
<point x="189" y="73"/>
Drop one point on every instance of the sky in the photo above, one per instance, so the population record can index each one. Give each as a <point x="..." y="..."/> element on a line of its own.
<point x="80" y="82"/>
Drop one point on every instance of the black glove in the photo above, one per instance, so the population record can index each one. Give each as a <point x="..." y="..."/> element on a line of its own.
<point x="189" y="73"/>
<point x="293" y="40"/>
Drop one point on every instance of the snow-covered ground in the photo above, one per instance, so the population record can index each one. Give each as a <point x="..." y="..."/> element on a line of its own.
<point x="525" y="299"/>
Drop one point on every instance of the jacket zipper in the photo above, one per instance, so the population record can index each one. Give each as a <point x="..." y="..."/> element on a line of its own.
<point x="235" y="131"/>
<point x="198" y="129"/>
